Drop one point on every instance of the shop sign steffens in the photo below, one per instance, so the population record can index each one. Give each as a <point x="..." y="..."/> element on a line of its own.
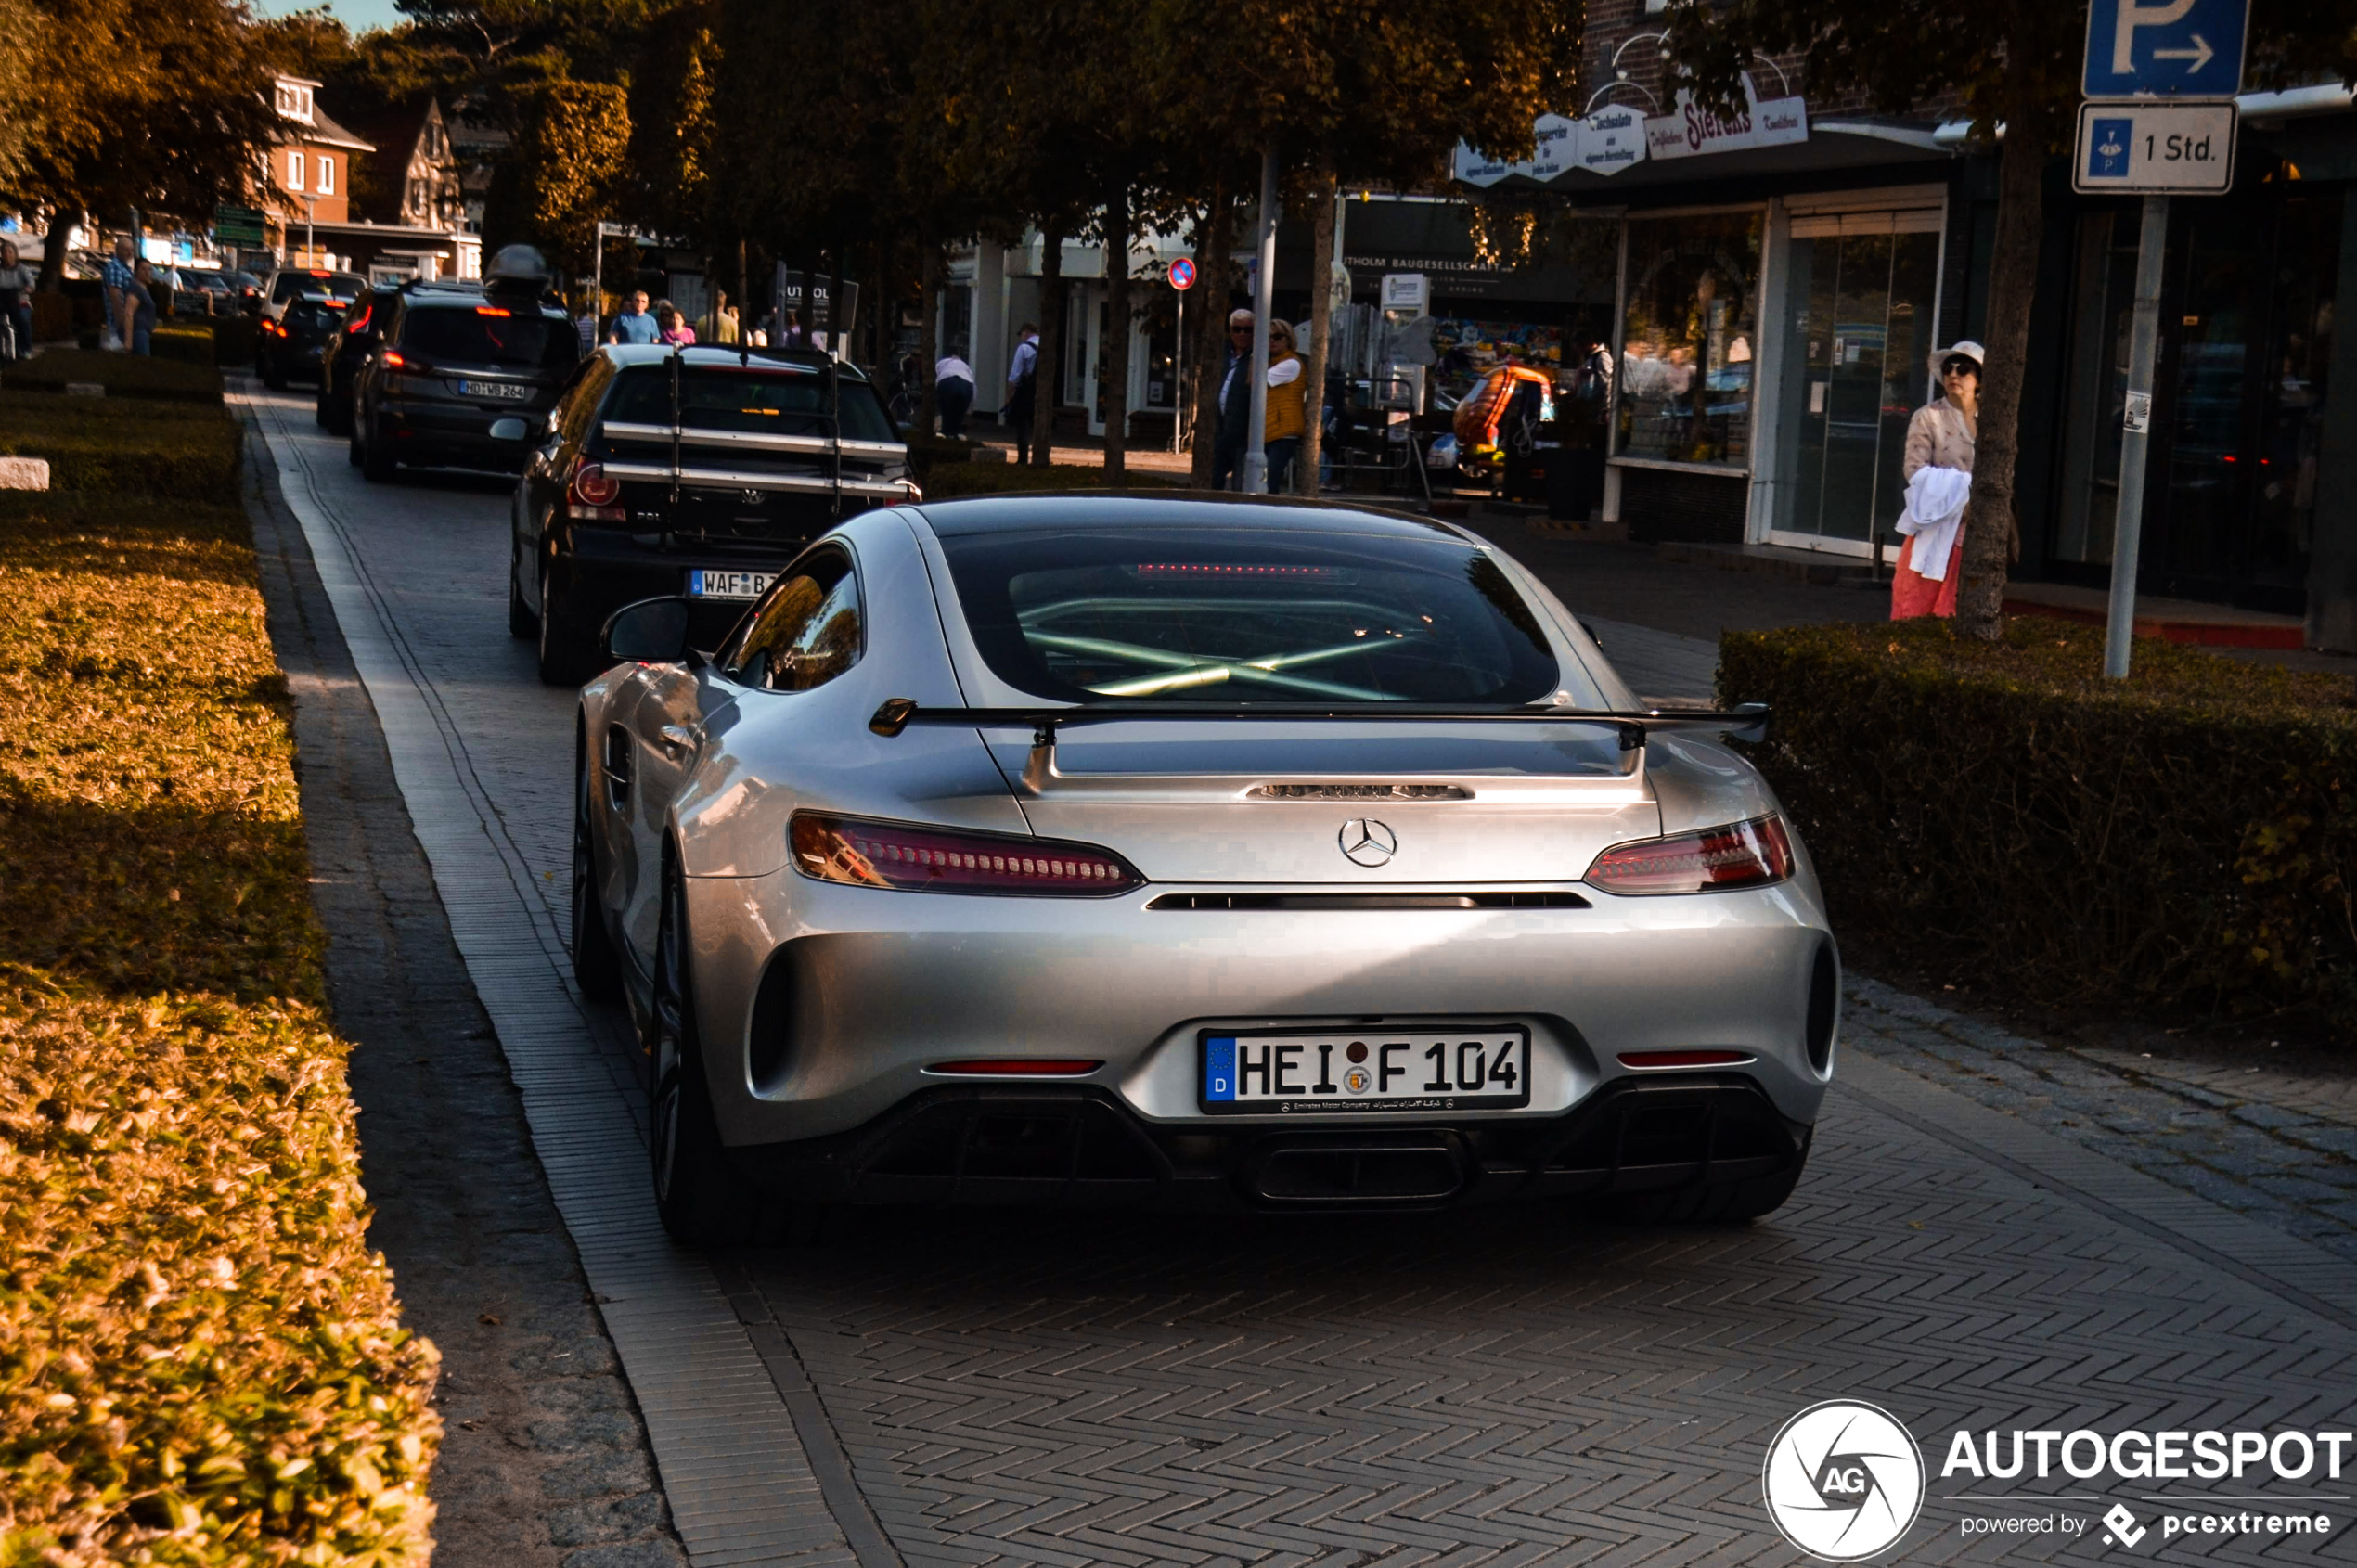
<point x="1689" y="130"/>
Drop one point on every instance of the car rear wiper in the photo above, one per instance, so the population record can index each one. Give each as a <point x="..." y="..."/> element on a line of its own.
<point x="1747" y="721"/>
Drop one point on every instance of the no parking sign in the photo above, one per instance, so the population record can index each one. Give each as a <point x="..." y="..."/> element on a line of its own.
<point x="1182" y="274"/>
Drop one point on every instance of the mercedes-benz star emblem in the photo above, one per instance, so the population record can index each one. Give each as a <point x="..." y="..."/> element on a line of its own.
<point x="1368" y="842"/>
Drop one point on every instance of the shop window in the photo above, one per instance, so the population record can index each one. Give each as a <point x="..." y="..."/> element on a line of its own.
<point x="1690" y="339"/>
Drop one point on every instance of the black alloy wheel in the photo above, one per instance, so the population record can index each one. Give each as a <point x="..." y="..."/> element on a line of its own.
<point x="377" y="461"/>
<point x="319" y="415"/>
<point x="565" y="660"/>
<point x="522" y="622"/>
<point x="274" y="373"/>
<point x="702" y="1198"/>
<point x="597" y="967"/>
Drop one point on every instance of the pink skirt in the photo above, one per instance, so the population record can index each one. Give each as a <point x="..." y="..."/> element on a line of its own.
<point x="1912" y="594"/>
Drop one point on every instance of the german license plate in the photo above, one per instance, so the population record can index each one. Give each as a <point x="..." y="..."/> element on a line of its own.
<point x="729" y="584"/>
<point x="1338" y="1071"/>
<point x="508" y="391"/>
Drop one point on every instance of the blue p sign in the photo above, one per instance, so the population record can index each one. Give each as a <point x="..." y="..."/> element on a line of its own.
<point x="2107" y="149"/>
<point x="2185" y="49"/>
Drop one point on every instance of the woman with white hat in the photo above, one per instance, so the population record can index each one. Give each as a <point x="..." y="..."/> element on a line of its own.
<point x="1938" y="469"/>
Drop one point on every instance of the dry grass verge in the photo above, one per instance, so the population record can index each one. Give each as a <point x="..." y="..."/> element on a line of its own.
<point x="200" y="1361"/>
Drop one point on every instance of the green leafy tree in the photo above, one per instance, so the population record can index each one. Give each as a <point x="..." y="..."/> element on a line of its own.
<point x="158" y="105"/>
<point x="2015" y="65"/>
<point x="563" y="173"/>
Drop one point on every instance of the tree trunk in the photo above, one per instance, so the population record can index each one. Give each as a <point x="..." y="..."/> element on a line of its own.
<point x="1322" y="322"/>
<point x="835" y="318"/>
<point x="1047" y="385"/>
<point x="882" y="311"/>
<point x="2013" y="285"/>
<point x="744" y="304"/>
<point x="929" y="263"/>
<point x="1210" y="347"/>
<point x="52" y="254"/>
<point x="1116" y="381"/>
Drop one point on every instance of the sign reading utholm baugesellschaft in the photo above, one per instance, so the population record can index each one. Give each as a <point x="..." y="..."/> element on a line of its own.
<point x="2181" y="49"/>
<point x="2154" y="149"/>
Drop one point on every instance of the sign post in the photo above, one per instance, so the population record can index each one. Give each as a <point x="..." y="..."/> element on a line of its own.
<point x="1182" y="277"/>
<point x="2161" y="80"/>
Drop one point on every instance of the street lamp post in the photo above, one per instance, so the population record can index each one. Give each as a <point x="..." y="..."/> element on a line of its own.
<point x="1263" y="294"/>
<point x="310" y="249"/>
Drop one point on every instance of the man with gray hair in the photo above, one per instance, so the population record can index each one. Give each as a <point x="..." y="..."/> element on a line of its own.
<point x="1235" y="406"/>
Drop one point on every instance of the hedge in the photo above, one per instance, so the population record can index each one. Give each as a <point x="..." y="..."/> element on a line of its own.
<point x="200" y="1361"/>
<point x="2002" y="815"/>
<point x="173" y="451"/>
<point x="123" y="375"/>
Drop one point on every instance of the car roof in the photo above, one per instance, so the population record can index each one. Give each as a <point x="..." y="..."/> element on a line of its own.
<point x="443" y="297"/>
<point x="720" y="356"/>
<point x="1118" y="510"/>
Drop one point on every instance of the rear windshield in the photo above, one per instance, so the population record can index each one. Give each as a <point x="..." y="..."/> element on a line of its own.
<point x="287" y="284"/>
<point x="771" y="400"/>
<point x="1234" y="615"/>
<point x="314" y="312"/>
<point x="489" y="335"/>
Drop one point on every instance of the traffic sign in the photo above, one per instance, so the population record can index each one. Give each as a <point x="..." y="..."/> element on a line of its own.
<point x="2154" y="149"/>
<point x="1182" y="274"/>
<point x="238" y="226"/>
<point x="2181" y="49"/>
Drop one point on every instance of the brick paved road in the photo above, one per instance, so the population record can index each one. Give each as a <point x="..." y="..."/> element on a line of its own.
<point x="1505" y="1389"/>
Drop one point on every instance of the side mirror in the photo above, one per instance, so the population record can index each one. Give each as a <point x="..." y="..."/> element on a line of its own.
<point x="653" y="631"/>
<point x="509" y="429"/>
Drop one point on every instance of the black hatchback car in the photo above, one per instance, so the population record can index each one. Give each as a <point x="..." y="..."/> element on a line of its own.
<point x="452" y="361"/>
<point x="700" y="471"/>
<point x="291" y="346"/>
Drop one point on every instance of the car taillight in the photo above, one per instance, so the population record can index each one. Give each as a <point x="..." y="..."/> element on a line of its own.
<point x="393" y="360"/>
<point x="592" y="487"/>
<point x="896" y="854"/>
<point x="1741" y="854"/>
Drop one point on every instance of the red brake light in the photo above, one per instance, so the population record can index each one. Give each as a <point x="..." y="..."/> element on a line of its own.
<point x="894" y="855"/>
<point x="1019" y="1067"/>
<point x="1741" y="854"/>
<point x="592" y="488"/>
<point x="490" y="310"/>
<point x="317" y="273"/>
<point x="392" y="359"/>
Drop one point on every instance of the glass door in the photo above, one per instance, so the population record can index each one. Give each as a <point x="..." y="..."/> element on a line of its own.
<point x="1860" y="292"/>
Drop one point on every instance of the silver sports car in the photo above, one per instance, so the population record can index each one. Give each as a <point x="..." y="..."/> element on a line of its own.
<point x="1202" y="852"/>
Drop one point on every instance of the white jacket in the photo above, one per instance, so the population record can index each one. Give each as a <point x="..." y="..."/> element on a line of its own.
<point x="1936" y="498"/>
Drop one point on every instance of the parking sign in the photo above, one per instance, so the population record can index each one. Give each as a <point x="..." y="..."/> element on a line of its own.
<point x="2181" y="49"/>
<point x="2154" y="149"/>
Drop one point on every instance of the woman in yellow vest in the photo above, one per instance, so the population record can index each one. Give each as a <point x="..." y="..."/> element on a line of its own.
<point x="1282" y="431"/>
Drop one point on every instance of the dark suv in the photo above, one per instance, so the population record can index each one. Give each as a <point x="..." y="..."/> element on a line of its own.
<point x="451" y="361"/>
<point x="699" y="471"/>
<point x="347" y="350"/>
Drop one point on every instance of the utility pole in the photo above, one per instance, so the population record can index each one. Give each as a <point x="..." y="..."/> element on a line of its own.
<point x="2128" y="524"/>
<point x="1264" y="291"/>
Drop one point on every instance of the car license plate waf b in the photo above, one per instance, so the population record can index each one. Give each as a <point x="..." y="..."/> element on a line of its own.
<point x="1343" y="1072"/>
<point x="729" y="584"/>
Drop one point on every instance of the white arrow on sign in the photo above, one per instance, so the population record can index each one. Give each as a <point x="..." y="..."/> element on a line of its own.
<point x="2200" y="53"/>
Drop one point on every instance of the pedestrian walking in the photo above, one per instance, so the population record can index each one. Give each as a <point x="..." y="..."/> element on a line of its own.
<point x="114" y="278"/>
<point x="633" y="325"/>
<point x="139" y="311"/>
<point x="797" y="335"/>
<point x="1235" y="405"/>
<point x="586" y="326"/>
<point x="671" y="327"/>
<point x="1938" y="470"/>
<point x="15" y="301"/>
<point x="724" y="326"/>
<point x="1286" y="417"/>
<point x="1023" y="388"/>
<point x="953" y="394"/>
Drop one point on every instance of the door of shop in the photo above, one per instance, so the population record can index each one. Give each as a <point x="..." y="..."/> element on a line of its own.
<point x="1860" y="294"/>
<point x="2247" y="318"/>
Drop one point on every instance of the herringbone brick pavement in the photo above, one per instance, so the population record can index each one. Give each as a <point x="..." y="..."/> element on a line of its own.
<point x="1509" y="1387"/>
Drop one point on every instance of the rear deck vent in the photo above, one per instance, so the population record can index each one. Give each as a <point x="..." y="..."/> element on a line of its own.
<point x="1311" y="901"/>
<point x="1359" y="793"/>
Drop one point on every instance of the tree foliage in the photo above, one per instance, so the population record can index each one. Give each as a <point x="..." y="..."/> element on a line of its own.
<point x="563" y="174"/>
<point x="159" y="105"/>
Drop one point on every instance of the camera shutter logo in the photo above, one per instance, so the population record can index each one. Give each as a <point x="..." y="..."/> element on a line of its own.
<point x="1843" y="1480"/>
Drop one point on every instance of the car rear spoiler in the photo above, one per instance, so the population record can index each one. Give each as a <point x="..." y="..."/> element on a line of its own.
<point x="1747" y="721"/>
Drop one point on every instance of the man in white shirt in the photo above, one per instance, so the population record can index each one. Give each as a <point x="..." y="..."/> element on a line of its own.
<point x="1023" y="388"/>
<point x="953" y="394"/>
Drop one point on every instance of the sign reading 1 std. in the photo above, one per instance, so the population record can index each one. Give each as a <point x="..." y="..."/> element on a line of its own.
<point x="2154" y="149"/>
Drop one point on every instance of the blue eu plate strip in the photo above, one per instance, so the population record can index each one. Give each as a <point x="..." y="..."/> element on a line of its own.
<point x="1219" y="1068"/>
<point x="695" y="584"/>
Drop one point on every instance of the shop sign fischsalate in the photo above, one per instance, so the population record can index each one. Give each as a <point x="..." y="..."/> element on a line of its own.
<point x="1689" y="130"/>
<point x="1610" y="140"/>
